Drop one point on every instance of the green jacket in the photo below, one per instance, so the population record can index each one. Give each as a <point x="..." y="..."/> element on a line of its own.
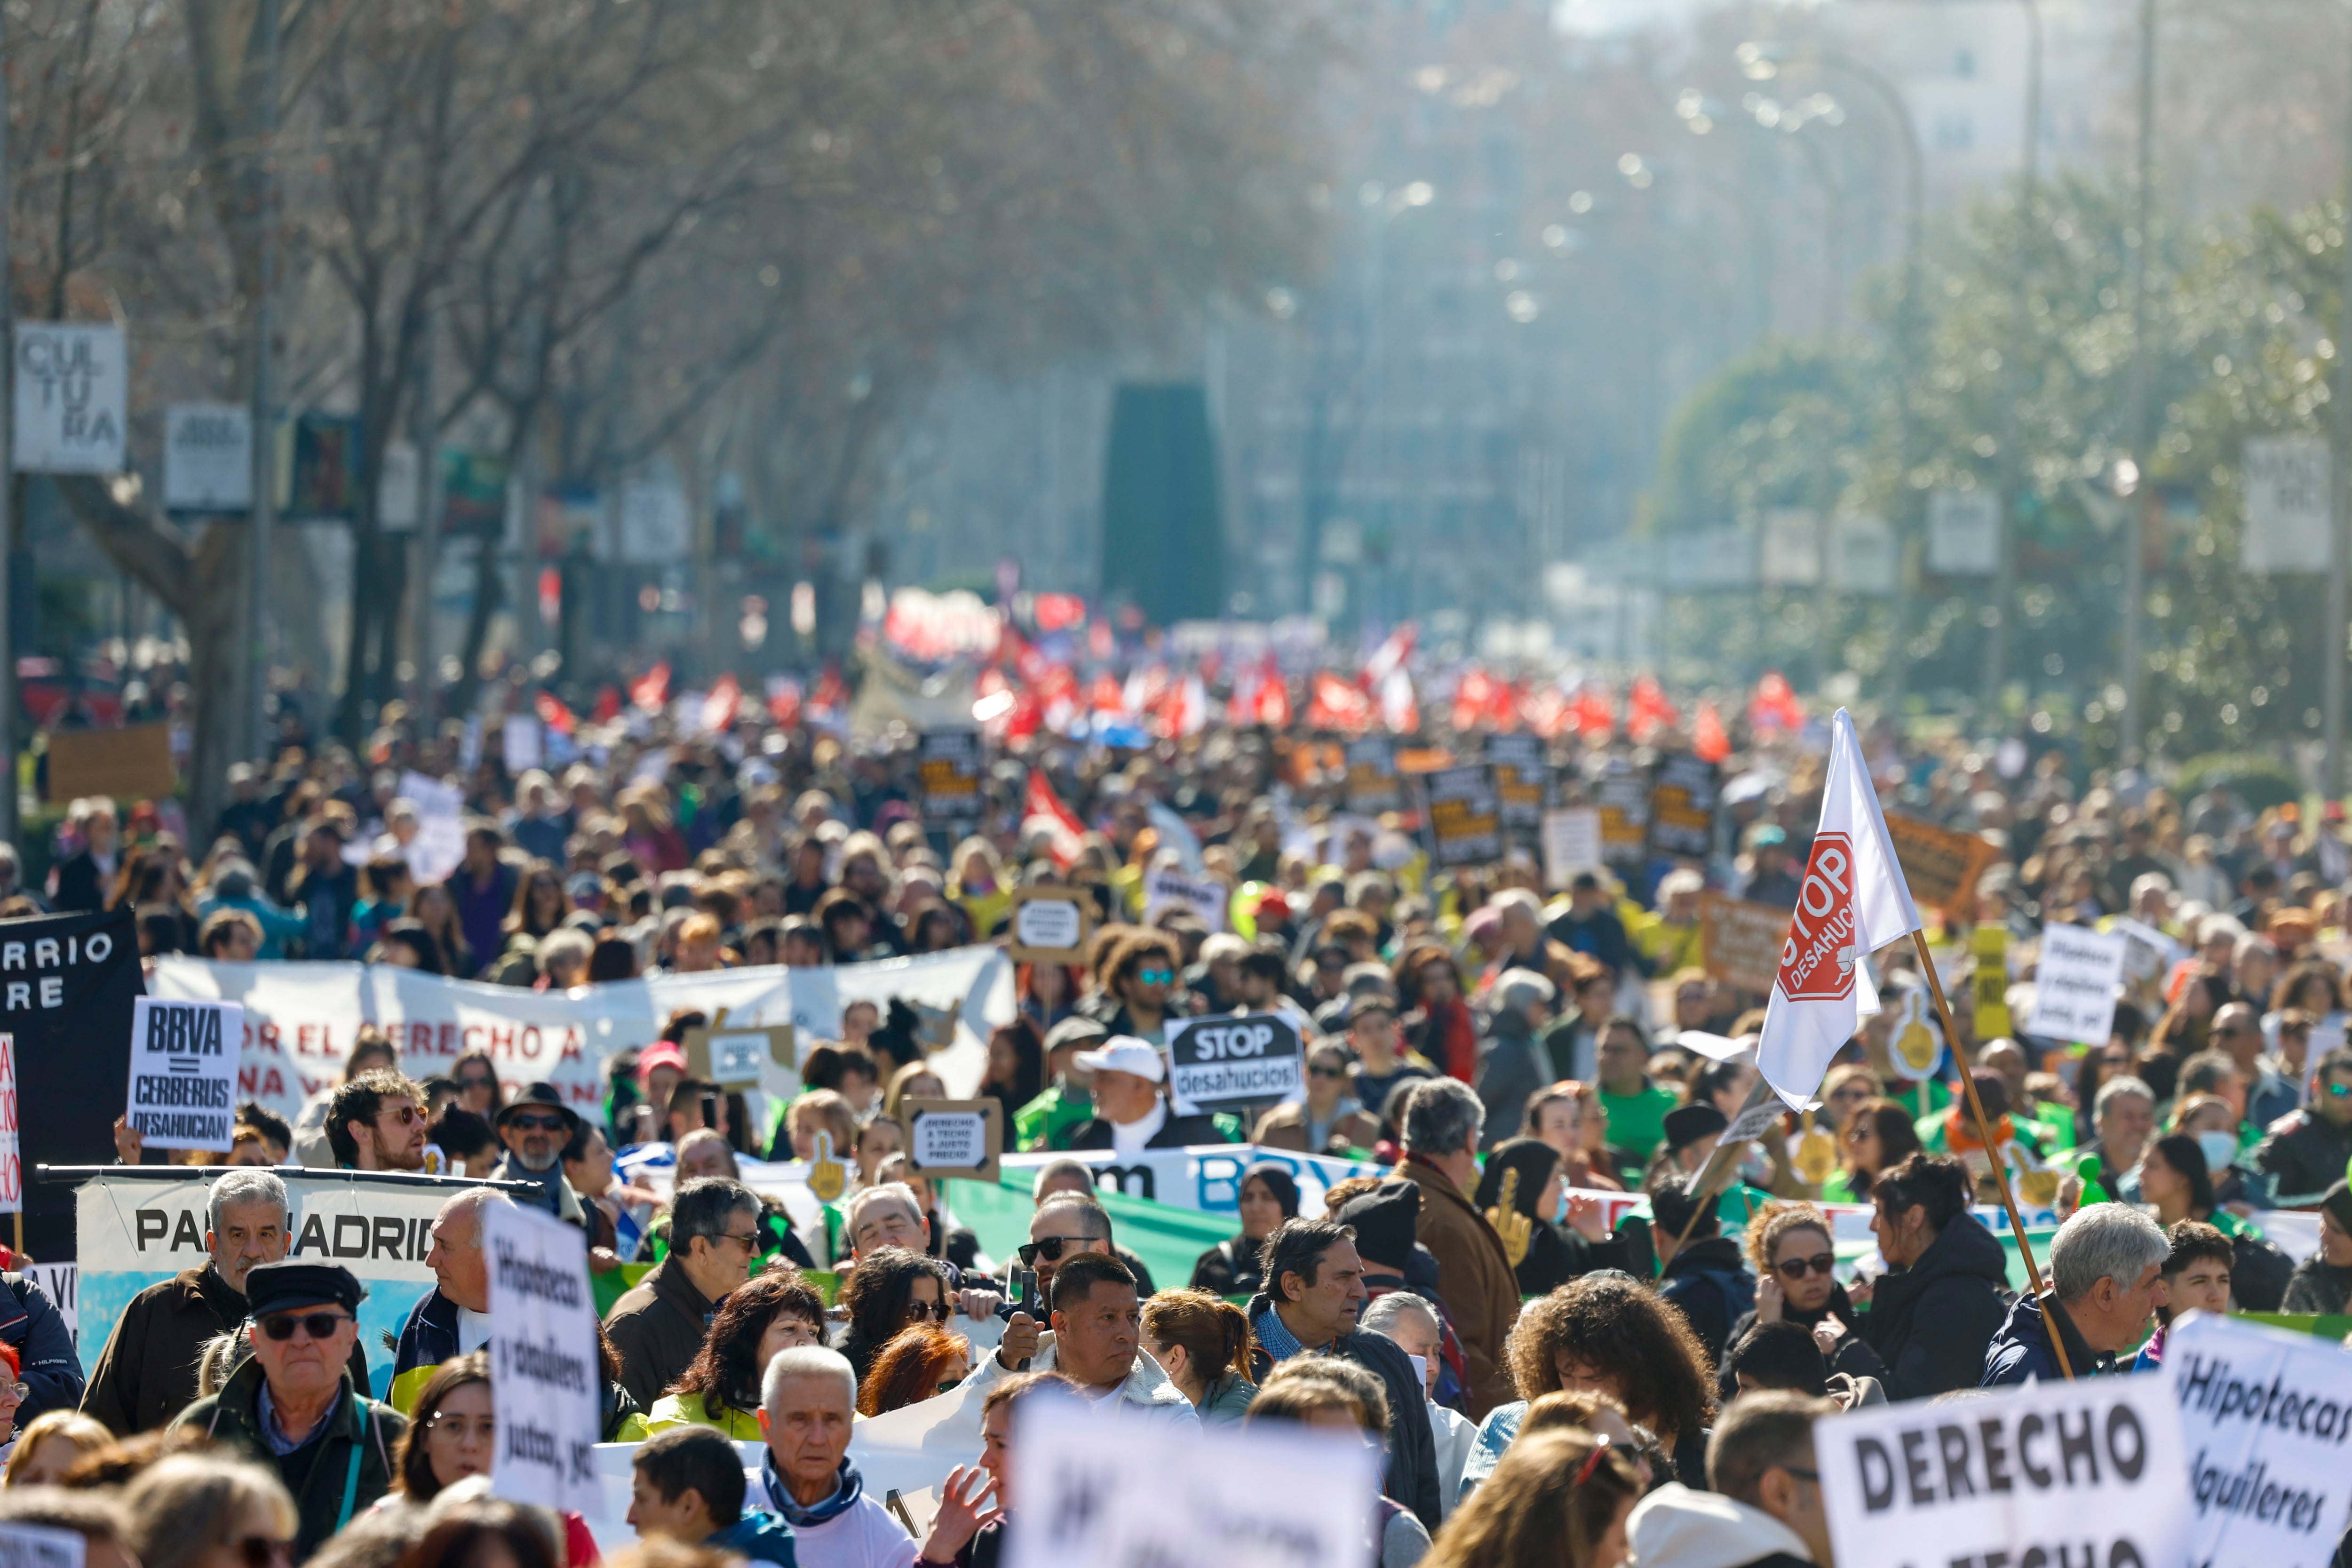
<point x="335" y="1476"/>
<point x="1048" y="1121"/>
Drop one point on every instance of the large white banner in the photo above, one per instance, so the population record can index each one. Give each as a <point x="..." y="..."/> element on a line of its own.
<point x="2266" y="1418"/>
<point x="300" y="1018"/>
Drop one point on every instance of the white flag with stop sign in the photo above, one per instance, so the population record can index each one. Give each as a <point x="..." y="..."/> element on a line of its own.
<point x="1853" y="902"/>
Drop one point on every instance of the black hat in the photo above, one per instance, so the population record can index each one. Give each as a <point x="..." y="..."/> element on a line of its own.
<point x="1686" y="1124"/>
<point x="540" y="1096"/>
<point x="1384" y="1220"/>
<point x="287" y="1286"/>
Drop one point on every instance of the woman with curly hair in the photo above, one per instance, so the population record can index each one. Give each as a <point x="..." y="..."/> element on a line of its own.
<point x="1788" y="1244"/>
<point x="1437" y="1022"/>
<point x="922" y="1361"/>
<point x="720" y="1387"/>
<point x="1556" y="1497"/>
<point x="890" y="1289"/>
<point x="1607" y="1333"/>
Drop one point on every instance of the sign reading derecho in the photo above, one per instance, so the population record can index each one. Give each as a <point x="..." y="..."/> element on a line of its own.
<point x="2084" y="1472"/>
<point x="545" y="1368"/>
<point x="963" y="1138"/>
<point x="184" y="1063"/>
<point x="1232" y="1061"/>
<point x="2266" y="1420"/>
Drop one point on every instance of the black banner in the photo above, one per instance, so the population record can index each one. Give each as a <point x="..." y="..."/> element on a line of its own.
<point x="1462" y="816"/>
<point x="66" y="985"/>
<point x="1682" y="807"/>
<point x="1522" y="783"/>
<point x="948" y="761"/>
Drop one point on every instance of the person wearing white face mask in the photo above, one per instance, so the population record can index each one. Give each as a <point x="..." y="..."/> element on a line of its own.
<point x="2176" y="1179"/>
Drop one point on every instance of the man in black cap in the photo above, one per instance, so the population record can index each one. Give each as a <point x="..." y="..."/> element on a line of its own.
<point x="1706" y="1274"/>
<point x="293" y="1407"/>
<point x="1692" y="1133"/>
<point x="535" y="1127"/>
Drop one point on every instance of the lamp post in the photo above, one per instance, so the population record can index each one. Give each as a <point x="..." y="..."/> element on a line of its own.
<point x="2133" y="471"/>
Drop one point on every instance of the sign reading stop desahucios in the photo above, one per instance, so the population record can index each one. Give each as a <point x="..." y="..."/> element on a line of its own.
<point x="1243" y="1060"/>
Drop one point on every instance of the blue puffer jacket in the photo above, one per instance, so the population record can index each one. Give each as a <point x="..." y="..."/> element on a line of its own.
<point x="761" y="1536"/>
<point x="45" y="1351"/>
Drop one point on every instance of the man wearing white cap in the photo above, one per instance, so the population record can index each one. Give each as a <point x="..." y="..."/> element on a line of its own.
<point x="1130" y="1116"/>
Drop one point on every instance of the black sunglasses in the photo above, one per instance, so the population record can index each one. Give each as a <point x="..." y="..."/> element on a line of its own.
<point x="477" y="1083"/>
<point x="1821" y="1263"/>
<point x="1051" y="1248"/>
<point x="1327" y="1072"/>
<point x="280" y="1326"/>
<point x="536" y="1123"/>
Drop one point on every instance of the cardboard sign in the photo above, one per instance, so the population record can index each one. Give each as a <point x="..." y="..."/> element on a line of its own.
<point x="1244" y="1061"/>
<point x="947" y="764"/>
<point x="1682" y="807"/>
<point x="12" y="1150"/>
<point x="1571" y="843"/>
<point x="38" y="1546"/>
<point x="1049" y="925"/>
<point x="1741" y="941"/>
<point x="963" y="1138"/>
<point x="1465" y="817"/>
<point x="732" y="1056"/>
<point x="2075" y="984"/>
<point x="1623" y="795"/>
<point x="546" y="1372"/>
<point x="2093" y="1468"/>
<point x="183" y="1062"/>
<point x="1165" y="889"/>
<point x="133" y="762"/>
<point x="1940" y="865"/>
<point x="1522" y="781"/>
<point x="1111" y="1491"/>
<point x="2266" y="1418"/>
<point x="1754" y="1122"/>
<point x="1373" y="785"/>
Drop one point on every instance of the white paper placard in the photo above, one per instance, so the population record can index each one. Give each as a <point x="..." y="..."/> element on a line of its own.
<point x="737" y="1058"/>
<point x="38" y="1546"/>
<point x="519" y="740"/>
<point x="2094" y="1467"/>
<point x="1571" y="843"/>
<point x="2265" y="1420"/>
<point x="207" y="457"/>
<point x="72" y="390"/>
<point x="184" y="1061"/>
<point x="1049" y="923"/>
<point x="545" y="1369"/>
<point x="2075" y="984"/>
<point x="1215" y="1063"/>
<point x="1202" y="897"/>
<point x="2147" y="951"/>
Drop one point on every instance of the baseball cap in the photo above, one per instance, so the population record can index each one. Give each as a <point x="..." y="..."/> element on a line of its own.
<point x="1125" y="1053"/>
<point x="1074" y="1031"/>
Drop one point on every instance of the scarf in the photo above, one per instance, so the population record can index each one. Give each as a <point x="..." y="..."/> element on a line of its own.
<point x="838" y="1502"/>
<point x="1453" y="1040"/>
<point x="1960" y="1131"/>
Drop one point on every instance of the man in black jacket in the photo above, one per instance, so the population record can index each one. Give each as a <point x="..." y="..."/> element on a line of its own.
<point x="1705" y="1275"/>
<point x="1129" y="1114"/>
<point x="2307" y="1151"/>
<point x="1314" y="1289"/>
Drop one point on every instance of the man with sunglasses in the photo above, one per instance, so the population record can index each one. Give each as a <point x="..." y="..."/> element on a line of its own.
<point x="2308" y="1151"/>
<point x="1140" y="978"/>
<point x="377" y="1122"/>
<point x="535" y="1128"/>
<point x="659" y="1328"/>
<point x="293" y="1407"/>
<point x="1130" y="1116"/>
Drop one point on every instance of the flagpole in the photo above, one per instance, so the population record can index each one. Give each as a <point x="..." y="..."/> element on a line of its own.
<point x="1984" y="1129"/>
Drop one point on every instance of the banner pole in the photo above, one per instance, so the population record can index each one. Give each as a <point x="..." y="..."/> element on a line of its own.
<point x="1984" y="1131"/>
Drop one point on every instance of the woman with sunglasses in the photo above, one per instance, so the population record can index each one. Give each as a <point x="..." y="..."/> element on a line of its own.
<point x="207" y="1510"/>
<point x="1269" y="1195"/>
<point x="922" y="1361"/>
<point x="478" y="1089"/>
<point x="1546" y="1255"/>
<point x="1877" y="1134"/>
<point x="891" y="1289"/>
<point x="1796" y="1272"/>
<point x="1330" y="1119"/>
<point x="769" y="1312"/>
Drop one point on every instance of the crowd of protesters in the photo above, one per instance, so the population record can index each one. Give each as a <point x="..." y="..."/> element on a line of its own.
<point x="1514" y="1056"/>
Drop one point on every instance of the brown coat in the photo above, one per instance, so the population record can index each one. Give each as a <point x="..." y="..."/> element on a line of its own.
<point x="1480" y="1287"/>
<point x="1284" y="1127"/>
<point x="659" y="1328"/>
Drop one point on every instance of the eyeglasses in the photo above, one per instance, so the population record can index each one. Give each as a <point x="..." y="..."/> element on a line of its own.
<point x="1593" y="1460"/>
<point x="748" y="1240"/>
<point x="950" y="1386"/>
<point x="446" y="1424"/>
<point x="930" y="1313"/>
<point x="260" y="1551"/>
<point x="1821" y="1263"/>
<point x="1051" y="1248"/>
<point x="536" y="1123"/>
<point x="407" y="1115"/>
<point x="280" y="1326"/>
<point x="2338" y="1090"/>
<point x="1156" y="976"/>
<point x="17" y="1392"/>
<point x="1851" y="1091"/>
<point x="1327" y="1072"/>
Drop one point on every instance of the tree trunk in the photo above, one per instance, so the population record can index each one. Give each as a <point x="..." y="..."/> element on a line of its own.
<point x="490" y="592"/>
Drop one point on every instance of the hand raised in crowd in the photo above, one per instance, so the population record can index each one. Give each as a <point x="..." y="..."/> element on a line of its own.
<point x="1827" y="1334"/>
<point x="129" y="1141"/>
<point x="966" y="1507"/>
<point x="1770" y="1300"/>
<point x="1588" y="1218"/>
<point x="1020" y="1342"/>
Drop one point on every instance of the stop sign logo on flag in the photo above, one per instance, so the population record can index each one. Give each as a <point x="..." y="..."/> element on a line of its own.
<point x="1817" y="960"/>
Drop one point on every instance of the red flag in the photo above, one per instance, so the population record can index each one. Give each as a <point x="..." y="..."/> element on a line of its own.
<point x="1059" y="611"/>
<point x="1107" y="695"/>
<point x="608" y="705"/>
<point x="1473" y="698"/>
<point x="554" y="714"/>
<point x="650" y="692"/>
<point x="1647" y="711"/>
<point x="1337" y="704"/>
<point x="1043" y="812"/>
<point x="1546" y="711"/>
<point x="1273" y="695"/>
<point x="1390" y="655"/>
<point x="1707" y="738"/>
<point x="720" y="707"/>
<point x="785" y="699"/>
<point x="830" y="696"/>
<point x="1595" y="711"/>
<point x="1775" y="704"/>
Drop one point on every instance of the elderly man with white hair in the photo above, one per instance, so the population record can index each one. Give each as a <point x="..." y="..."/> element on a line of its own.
<point x="1410" y="1323"/>
<point x="2105" y="1280"/>
<point x="808" y="1399"/>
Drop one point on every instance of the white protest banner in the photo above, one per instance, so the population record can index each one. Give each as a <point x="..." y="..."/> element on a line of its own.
<point x="2075" y="984"/>
<point x="1216" y="1063"/>
<point x="1755" y="1121"/>
<point x="2267" y="1421"/>
<point x="12" y="1148"/>
<point x="300" y="1018"/>
<point x="1204" y="898"/>
<point x="1571" y="843"/>
<point x="72" y="391"/>
<point x="207" y="457"/>
<point x="60" y="1283"/>
<point x="1117" y="1491"/>
<point x="2092" y="1469"/>
<point x="546" y="1370"/>
<point x="1206" y="1176"/>
<point x="38" y="1546"/>
<point x="184" y="1069"/>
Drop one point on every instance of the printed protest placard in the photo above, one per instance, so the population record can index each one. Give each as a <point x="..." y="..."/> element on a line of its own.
<point x="1571" y="843"/>
<point x="2267" y="1421"/>
<point x="1741" y="941"/>
<point x="733" y="1056"/>
<point x="1463" y="815"/>
<point x="184" y="1061"/>
<point x="12" y="1150"/>
<point x="1682" y="807"/>
<point x="546" y="1370"/>
<point x="947" y="764"/>
<point x="1623" y="793"/>
<point x="1049" y="925"/>
<point x="954" y="1137"/>
<point x="522" y="742"/>
<point x="1522" y="781"/>
<point x="2093" y="1468"/>
<point x="2075" y="984"/>
<point x="1245" y="1060"/>
<point x="207" y="457"/>
<point x="1117" y="1491"/>
<point x="2147" y="951"/>
<point x="440" y="841"/>
<point x="1166" y="888"/>
<point x="1940" y="865"/>
<point x="1372" y="786"/>
<point x="38" y="1546"/>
